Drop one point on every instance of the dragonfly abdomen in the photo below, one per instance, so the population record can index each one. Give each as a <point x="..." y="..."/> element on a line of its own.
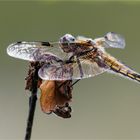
<point x="125" y="71"/>
<point x="120" y="68"/>
<point x="128" y="73"/>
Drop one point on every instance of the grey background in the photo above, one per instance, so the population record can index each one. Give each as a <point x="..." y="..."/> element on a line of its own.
<point x="104" y="107"/>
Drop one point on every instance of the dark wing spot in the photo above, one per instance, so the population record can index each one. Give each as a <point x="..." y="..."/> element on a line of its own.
<point x="19" y="42"/>
<point x="45" y="43"/>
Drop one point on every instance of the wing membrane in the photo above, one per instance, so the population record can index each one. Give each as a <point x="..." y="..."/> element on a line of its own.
<point x="114" y="40"/>
<point x="33" y="51"/>
<point x="111" y="40"/>
<point x="61" y="71"/>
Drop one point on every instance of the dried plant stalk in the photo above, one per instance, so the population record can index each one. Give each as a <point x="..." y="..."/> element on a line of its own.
<point x="32" y="85"/>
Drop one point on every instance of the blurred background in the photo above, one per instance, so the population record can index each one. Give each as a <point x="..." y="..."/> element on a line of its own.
<point x="104" y="107"/>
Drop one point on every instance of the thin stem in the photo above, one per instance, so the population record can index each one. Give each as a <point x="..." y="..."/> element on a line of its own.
<point x="32" y="103"/>
<point x="30" y="117"/>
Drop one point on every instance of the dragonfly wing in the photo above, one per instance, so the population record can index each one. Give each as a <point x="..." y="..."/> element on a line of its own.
<point x="111" y="40"/>
<point x="34" y="51"/>
<point x="114" y="40"/>
<point x="69" y="71"/>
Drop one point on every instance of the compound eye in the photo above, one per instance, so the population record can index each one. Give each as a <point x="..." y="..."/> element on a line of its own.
<point x="67" y="38"/>
<point x="72" y="39"/>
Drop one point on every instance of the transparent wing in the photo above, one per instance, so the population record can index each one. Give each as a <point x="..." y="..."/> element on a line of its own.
<point x="111" y="40"/>
<point x="82" y="38"/>
<point x="33" y="51"/>
<point x="68" y="71"/>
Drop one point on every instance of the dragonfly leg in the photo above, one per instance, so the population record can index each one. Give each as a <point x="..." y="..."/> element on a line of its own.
<point x="75" y="82"/>
<point x="62" y="84"/>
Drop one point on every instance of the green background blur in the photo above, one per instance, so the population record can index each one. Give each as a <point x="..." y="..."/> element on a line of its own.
<point x="106" y="107"/>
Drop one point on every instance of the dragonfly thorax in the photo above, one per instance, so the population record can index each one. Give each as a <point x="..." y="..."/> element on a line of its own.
<point x="70" y="44"/>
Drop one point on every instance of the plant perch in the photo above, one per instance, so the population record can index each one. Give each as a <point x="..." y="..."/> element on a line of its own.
<point x="32" y="85"/>
<point x="62" y="95"/>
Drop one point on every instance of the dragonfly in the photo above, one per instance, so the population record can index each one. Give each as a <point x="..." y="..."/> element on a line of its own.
<point x="74" y="57"/>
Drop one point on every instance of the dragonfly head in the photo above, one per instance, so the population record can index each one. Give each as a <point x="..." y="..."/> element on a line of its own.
<point x="67" y="38"/>
<point x="65" y="41"/>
